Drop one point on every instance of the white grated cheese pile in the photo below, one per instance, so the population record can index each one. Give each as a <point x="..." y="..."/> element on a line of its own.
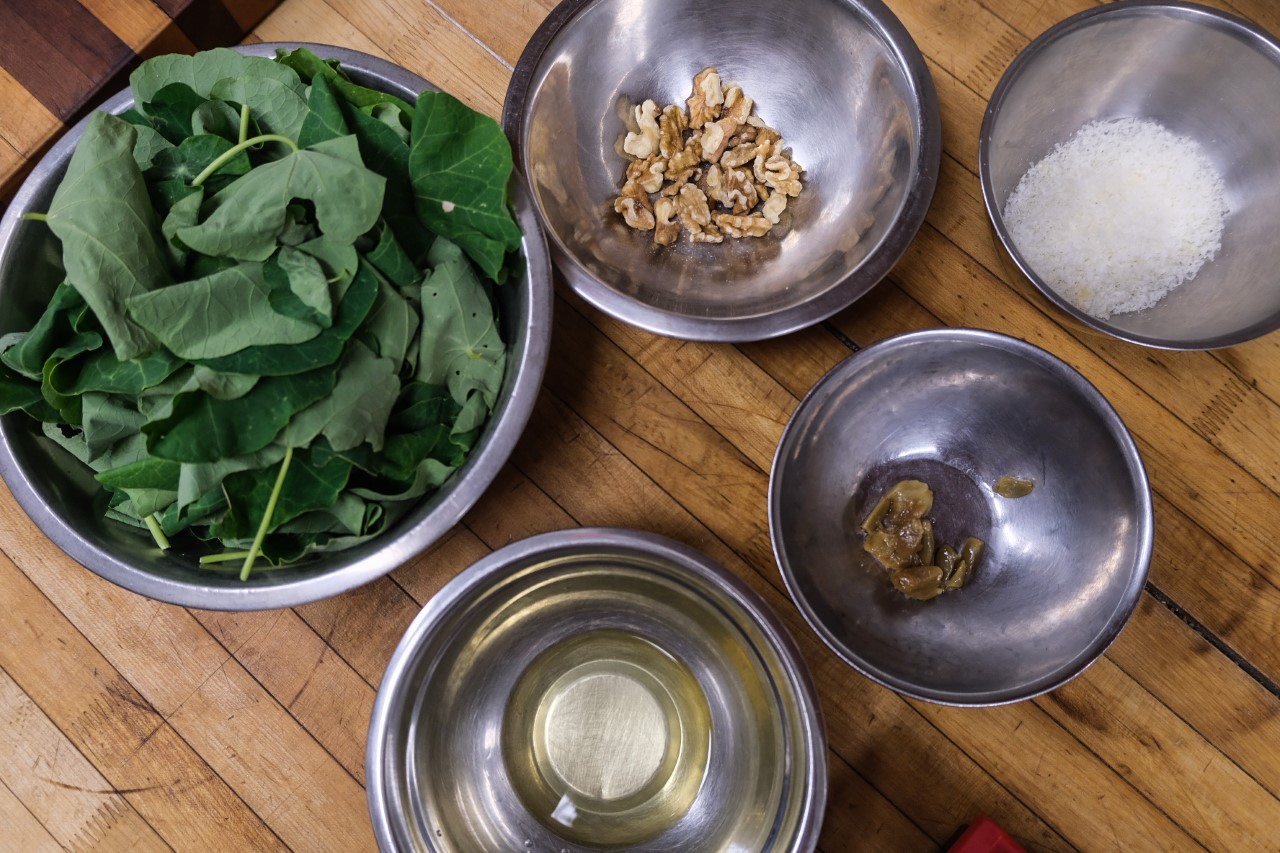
<point x="1118" y="215"/>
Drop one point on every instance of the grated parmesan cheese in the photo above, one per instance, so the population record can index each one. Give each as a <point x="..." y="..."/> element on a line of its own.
<point x="1118" y="215"/>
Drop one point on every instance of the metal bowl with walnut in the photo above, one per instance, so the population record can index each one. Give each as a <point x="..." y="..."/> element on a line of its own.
<point x="840" y="80"/>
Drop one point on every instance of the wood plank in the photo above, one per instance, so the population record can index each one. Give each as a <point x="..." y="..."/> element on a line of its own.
<point x="130" y="744"/>
<point x="25" y="123"/>
<point x="59" y="786"/>
<point x="135" y="22"/>
<point x="455" y="62"/>
<point x="305" y="796"/>
<point x="21" y="828"/>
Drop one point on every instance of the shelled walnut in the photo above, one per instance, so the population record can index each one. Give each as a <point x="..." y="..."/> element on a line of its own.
<point x="716" y="169"/>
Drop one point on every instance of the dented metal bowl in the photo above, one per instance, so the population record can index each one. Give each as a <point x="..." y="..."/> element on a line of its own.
<point x="596" y="689"/>
<point x="841" y="80"/>
<point x="1064" y="566"/>
<point x="59" y="494"/>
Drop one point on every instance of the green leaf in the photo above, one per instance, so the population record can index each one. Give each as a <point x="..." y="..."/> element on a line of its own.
<point x="309" y="66"/>
<point x="339" y="259"/>
<point x="307" y="282"/>
<point x="356" y="411"/>
<point x="217" y="315"/>
<point x="391" y="260"/>
<point x="324" y="348"/>
<point x="196" y="479"/>
<point x="27" y="352"/>
<point x="460" y="163"/>
<point x="201" y="428"/>
<point x="386" y="153"/>
<point x="148" y="145"/>
<point x="17" y="393"/>
<point x="278" y="106"/>
<point x="219" y="118"/>
<point x="272" y="91"/>
<point x="459" y="346"/>
<point x="102" y="371"/>
<point x="188" y="159"/>
<point x="222" y="386"/>
<point x="251" y="213"/>
<point x="107" y="422"/>
<point x="68" y="407"/>
<point x="421" y="406"/>
<point x="110" y="235"/>
<point x="149" y="473"/>
<point x="391" y="325"/>
<point x="307" y="486"/>
<point x="184" y="212"/>
<point x="324" y="118"/>
<point x="170" y="110"/>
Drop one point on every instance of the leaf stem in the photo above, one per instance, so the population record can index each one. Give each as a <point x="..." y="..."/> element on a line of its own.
<point x="266" y="516"/>
<point x="36" y="217"/>
<point x="244" y="124"/>
<point x="224" y="557"/>
<point x="226" y="156"/>
<point x="156" y="533"/>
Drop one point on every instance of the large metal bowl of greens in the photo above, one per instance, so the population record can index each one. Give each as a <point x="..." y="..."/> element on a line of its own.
<point x="250" y="394"/>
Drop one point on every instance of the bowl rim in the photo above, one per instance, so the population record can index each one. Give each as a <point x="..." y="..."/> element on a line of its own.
<point x="842" y="293"/>
<point x="563" y="546"/>
<point x="1145" y="527"/>
<point x="413" y="533"/>
<point x="1190" y="11"/>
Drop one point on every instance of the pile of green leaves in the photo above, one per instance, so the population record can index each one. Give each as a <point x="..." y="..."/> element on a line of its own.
<point x="277" y="327"/>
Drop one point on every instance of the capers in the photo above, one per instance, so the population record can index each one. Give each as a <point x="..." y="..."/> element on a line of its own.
<point x="902" y="540"/>
<point x="1009" y="486"/>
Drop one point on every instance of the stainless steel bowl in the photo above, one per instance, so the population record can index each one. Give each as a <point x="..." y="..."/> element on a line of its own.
<point x="590" y="689"/>
<point x="56" y="491"/>
<point x="841" y="80"/>
<point x="959" y="409"/>
<point x="1201" y="73"/>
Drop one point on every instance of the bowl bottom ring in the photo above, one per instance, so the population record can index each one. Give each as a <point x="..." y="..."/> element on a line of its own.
<point x="606" y="738"/>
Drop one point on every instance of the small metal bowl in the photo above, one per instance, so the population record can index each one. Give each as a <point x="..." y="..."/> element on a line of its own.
<point x="57" y="492"/>
<point x="1199" y="72"/>
<point x="590" y="689"/>
<point x="1064" y="566"/>
<point x="841" y="80"/>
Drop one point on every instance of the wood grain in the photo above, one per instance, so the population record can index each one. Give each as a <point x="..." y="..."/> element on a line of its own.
<point x="128" y="724"/>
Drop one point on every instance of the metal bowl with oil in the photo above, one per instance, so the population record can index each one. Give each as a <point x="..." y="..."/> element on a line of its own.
<point x="841" y="80"/>
<point x="960" y="409"/>
<point x="596" y="689"/>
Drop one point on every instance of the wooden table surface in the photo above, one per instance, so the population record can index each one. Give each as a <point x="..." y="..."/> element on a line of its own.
<point x="128" y="724"/>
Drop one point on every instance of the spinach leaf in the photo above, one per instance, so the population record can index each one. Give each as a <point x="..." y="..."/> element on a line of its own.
<point x="391" y="325"/>
<point x="386" y="153"/>
<point x="251" y="213"/>
<point x="273" y="91"/>
<point x="324" y="348"/>
<point x="202" y="428"/>
<point x="102" y="371"/>
<point x="27" y="352"/>
<point x="310" y="67"/>
<point x="460" y="164"/>
<point x="109" y="231"/>
<point x="148" y="473"/>
<point x="307" y="486"/>
<point x="356" y="411"/>
<point x="189" y="158"/>
<point x="391" y="260"/>
<point x="170" y="111"/>
<point x="307" y="283"/>
<point x="459" y="346"/>
<point x="324" y="117"/>
<point x="17" y="393"/>
<point x="217" y="315"/>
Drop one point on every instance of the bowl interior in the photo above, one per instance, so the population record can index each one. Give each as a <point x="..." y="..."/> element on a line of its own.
<point x="1063" y="566"/>
<point x="832" y="81"/>
<point x="62" y="497"/>
<point x="1202" y="75"/>
<point x="689" y="728"/>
